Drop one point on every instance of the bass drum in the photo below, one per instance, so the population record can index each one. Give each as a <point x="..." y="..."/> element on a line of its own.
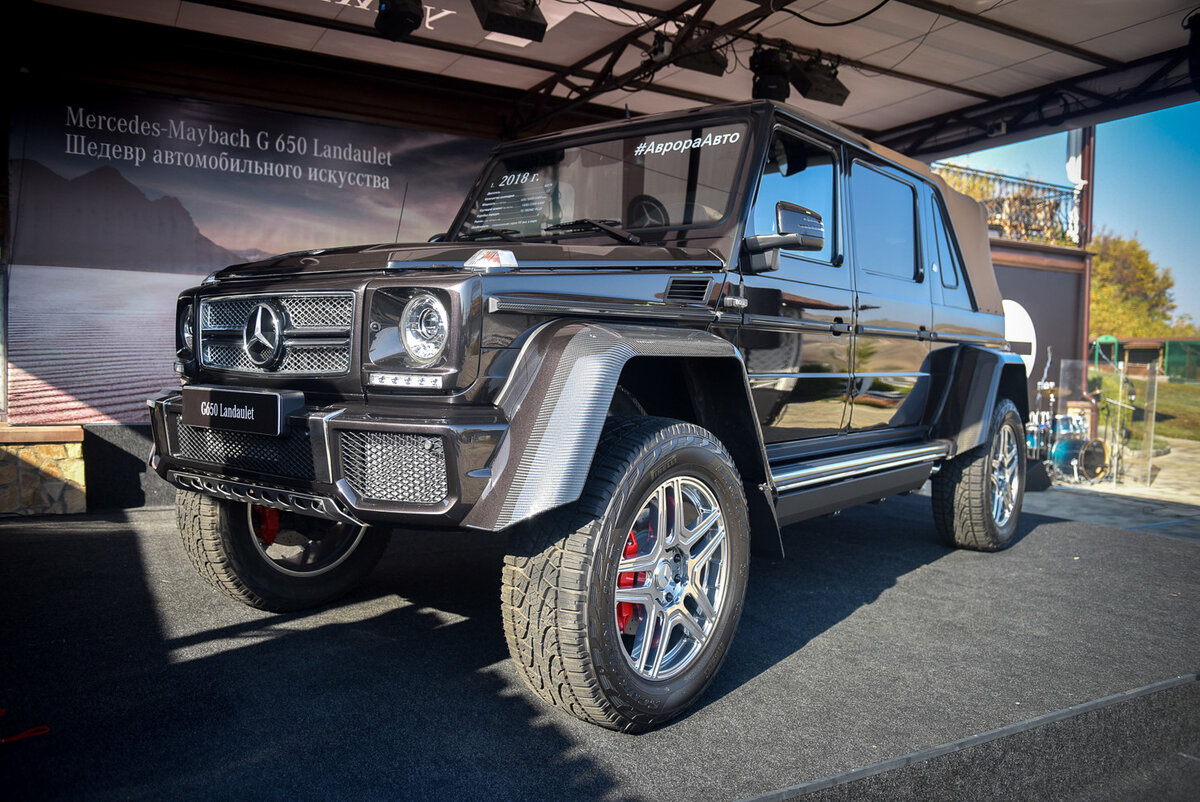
<point x="1079" y="460"/>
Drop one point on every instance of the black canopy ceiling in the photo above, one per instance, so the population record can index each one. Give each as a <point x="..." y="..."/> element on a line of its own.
<point x="927" y="78"/>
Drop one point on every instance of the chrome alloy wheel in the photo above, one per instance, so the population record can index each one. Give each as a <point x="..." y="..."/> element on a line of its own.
<point x="1004" y="480"/>
<point x="300" y="545"/>
<point x="672" y="578"/>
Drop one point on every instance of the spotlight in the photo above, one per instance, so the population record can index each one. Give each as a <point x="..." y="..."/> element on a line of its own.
<point x="520" y="18"/>
<point x="770" y="68"/>
<point x="399" y="18"/>
<point x="709" y="62"/>
<point x="818" y="81"/>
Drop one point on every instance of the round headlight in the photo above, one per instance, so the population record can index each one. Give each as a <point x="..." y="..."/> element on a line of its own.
<point x="424" y="328"/>
<point x="186" y="332"/>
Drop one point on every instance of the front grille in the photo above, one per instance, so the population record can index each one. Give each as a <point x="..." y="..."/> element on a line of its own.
<point x="318" y="330"/>
<point x="288" y="455"/>
<point x="392" y="466"/>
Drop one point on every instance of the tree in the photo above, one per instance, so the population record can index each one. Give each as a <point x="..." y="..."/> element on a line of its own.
<point x="1131" y="295"/>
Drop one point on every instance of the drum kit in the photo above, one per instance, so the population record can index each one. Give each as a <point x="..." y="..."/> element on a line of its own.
<point x="1063" y="441"/>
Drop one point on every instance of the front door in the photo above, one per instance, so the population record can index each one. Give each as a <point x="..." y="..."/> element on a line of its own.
<point x="795" y="333"/>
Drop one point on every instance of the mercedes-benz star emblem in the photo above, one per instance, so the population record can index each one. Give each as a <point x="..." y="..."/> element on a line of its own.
<point x="262" y="338"/>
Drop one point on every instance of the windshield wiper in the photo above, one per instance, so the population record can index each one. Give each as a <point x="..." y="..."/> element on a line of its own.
<point x="505" y="234"/>
<point x="587" y="224"/>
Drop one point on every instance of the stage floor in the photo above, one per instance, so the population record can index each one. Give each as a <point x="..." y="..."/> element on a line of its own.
<point x="870" y="647"/>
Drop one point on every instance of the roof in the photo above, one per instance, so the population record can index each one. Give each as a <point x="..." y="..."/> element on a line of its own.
<point x="966" y="214"/>
<point x="927" y="78"/>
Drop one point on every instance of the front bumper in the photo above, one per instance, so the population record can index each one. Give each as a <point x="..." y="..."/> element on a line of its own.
<point x="418" y="466"/>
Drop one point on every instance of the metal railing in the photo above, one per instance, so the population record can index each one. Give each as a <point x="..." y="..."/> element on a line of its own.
<point x="1019" y="208"/>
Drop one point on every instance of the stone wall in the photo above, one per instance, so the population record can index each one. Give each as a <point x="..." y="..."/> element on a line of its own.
<point x="41" y="470"/>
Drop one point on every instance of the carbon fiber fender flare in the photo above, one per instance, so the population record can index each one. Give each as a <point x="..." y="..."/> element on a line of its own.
<point x="978" y="378"/>
<point x="556" y="399"/>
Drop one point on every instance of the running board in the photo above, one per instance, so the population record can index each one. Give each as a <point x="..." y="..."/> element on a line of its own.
<point x="835" y="483"/>
<point x="832" y="469"/>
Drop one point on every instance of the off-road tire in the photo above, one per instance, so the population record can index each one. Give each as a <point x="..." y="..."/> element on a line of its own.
<point x="963" y="490"/>
<point x="561" y="573"/>
<point x="219" y="543"/>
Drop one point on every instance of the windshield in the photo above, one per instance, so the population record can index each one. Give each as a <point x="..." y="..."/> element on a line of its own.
<point x="671" y="179"/>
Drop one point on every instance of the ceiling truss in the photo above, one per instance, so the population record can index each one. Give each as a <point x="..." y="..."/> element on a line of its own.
<point x="541" y="104"/>
<point x="1066" y="103"/>
<point x="663" y="36"/>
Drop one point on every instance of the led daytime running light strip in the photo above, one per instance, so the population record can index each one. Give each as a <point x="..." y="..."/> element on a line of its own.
<point x="415" y="380"/>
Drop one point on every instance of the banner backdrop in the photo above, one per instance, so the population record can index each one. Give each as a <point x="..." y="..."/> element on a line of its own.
<point x="120" y="201"/>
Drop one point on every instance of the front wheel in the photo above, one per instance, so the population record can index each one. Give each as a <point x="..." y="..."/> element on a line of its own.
<point x="621" y="607"/>
<point x="273" y="560"/>
<point x="977" y="495"/>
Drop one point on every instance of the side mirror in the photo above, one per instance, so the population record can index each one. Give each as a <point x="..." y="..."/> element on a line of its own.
<point x="806" y="224"/>
<point x="800" y="229"/>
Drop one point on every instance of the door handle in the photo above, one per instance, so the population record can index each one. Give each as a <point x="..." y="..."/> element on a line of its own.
<point x="839" y="328"/>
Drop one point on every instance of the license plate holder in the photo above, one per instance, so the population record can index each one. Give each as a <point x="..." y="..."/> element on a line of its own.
<point x="251" y="411"/>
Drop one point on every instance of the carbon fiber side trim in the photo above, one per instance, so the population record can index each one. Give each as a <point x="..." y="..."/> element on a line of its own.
<point x="556" y="400"/>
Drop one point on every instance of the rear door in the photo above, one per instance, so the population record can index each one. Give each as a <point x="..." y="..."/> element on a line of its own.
<point x="893" y="317"/>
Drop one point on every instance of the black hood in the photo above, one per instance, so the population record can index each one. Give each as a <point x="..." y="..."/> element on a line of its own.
<point x="456" y="255"/>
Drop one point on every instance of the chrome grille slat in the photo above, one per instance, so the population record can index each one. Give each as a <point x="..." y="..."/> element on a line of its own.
<point x="303" y="311"/>
<point x="319" y="311"/>
<point x="297" y="359"/>
<point x="323" y="315"/>
<point x="394" y="466"/>
<point x="225" y="313"/>
<point x="227" y="357"/>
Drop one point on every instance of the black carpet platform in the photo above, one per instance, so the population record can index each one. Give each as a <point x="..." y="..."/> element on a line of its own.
<point x="871" y="664"/>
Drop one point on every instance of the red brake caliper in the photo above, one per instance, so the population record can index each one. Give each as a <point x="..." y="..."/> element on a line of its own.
<point x="268" y="525"/>
<point x="626" y="580"/>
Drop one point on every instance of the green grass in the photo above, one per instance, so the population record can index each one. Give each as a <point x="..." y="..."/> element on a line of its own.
<point x="1178" y="413"/>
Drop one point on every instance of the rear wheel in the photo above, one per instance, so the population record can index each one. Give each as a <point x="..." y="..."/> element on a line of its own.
<point x="621" y="607"/>
<point x="274" y="560"/>
<point x="977" y="495"/>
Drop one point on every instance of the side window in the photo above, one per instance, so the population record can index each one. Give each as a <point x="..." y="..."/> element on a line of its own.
<point x="947" y="255"/>
<point x="799" y="172"/>
<point x="885" y="223"/>
<point x="949" y="259"/>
